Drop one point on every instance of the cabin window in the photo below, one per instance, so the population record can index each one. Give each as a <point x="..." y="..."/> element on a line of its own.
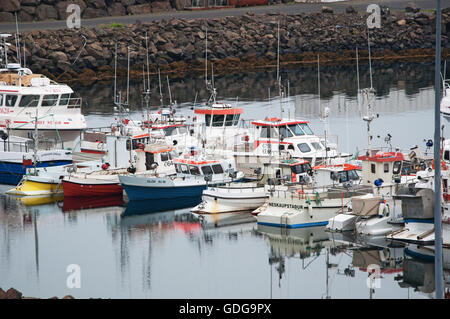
<point x="386" y="167"/>
<point x="10" y="100"/>
<point x="343" y="178"/>
<point x="284" y="132"/>
<point x="281" y="147"/>
<point x="164" y="157"/>
<point x="177" y="168"/>
<point x="446" y="153"/>
<point x="170" y="130"/>
<point x="296" y="130"/>
<point x="29" y="101"/>
<point x="297" y="169"/>
<point x="184" y="169"/>
<point x="278" y="173"/>
<point x="353" y="175"/>
<point x="265" y="133"/>
<point x="1" y="99"/>
<point x="207" y="170"/>
<point x="236" y="119"/>
<point x="182" y="130"/>
<point x="305" y="127"/>
<point x="208" y="119"/>
<point x="372" y="168"/>
<point x="50" y="100"/>
<point x="273" y="132"/>
<point x="229" y="120"/>
<point x="316" y="146"/>
<point x="217" y="168"/>
<point x="149" y="160"/>
<point x="218" y="120"/>
<point x="194" y="170"/>
<point x="304" y="148"/>
<point x="397" y="167"/>
<point x="64" y="99"/>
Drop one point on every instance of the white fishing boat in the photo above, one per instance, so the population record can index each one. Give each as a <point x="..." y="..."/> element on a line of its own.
<point x="235" y="197"/>
<point x="24" y="94"/>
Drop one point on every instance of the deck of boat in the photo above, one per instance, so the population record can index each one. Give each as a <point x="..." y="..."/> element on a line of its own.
<point x="83" y="157"/>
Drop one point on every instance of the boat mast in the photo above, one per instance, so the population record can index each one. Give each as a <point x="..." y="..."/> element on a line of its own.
<point x="368" y="97"/>
<point x="439" y="284"/>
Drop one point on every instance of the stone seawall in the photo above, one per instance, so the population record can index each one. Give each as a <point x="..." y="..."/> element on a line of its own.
<point x="177" y="46"/>
<point x="37" y="10"/>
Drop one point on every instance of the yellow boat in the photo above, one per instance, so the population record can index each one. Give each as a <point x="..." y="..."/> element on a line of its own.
<point x="35" y="185"/>
<point x="41" y="200"/>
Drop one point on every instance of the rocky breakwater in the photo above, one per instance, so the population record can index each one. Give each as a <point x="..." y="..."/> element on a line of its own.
<point x="36" y="10"/>
<point x="178" y="46"/>
<point x="12" y="293"/>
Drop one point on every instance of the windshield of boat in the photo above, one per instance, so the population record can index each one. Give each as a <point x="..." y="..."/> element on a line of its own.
<point x="171" y="130"/>
<point x="296" y="130"/>
<point x="317" y="146"/>
<point x="305" y="127"/>
<point x="353" y="175"/>
<point x="284" y="132"/>
<point x="194" y="170"/>
<point x="300" y="168"/>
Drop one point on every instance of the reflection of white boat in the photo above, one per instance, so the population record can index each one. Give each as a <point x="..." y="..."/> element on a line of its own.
<point x="224" y="219"/>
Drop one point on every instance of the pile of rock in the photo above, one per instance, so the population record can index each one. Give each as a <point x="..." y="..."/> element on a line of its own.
<point x="12" y="293"/>
<point x="29" y="10"/>
<point x="178" y="44"/>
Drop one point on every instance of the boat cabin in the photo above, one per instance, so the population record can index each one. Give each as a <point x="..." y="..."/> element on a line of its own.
<point x="382" y="167"/>
<point x="288" y="170"/>
<point x="295" y="137"/>
<point x="196" y="167"/>
<point x="156" y="157"/>
<point x="219" y="115"/>
<point x="336" y="174"/>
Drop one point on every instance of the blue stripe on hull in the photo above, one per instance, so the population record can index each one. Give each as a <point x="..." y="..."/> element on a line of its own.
<point x="143" y="193"/>
<point x="416" y="220"/>
<point x="295" y="225"/>
<point x="12" y="173"/>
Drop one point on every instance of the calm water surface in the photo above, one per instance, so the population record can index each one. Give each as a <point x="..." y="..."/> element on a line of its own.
<point x="159" y="250"/>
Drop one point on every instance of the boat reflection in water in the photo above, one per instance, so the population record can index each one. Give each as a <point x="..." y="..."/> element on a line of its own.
<point x="39" y="200"/>
<point x="76" y="203"/>
<point x="209" y="221"/>
<point x="163" y="213"/>
<point x="418" y="270"/>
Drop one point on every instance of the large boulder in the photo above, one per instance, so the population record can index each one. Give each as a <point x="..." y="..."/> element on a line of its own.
<point x="351" y="10"/>
<point x="7" y="17"/>
<point x="412" y="7"/>
<point x="98" y="4"/>
<point x="13" y="294"/>
<point x="90" y="13"/>
<point x="160" y="6"/>
<point x="61" y="7"/>
<point x="30" y="2"/>
<point x="116" y="9"/>
<point x="46" y="12"/>
<point x="139" y="9"/>
<point x="9" y="5"/>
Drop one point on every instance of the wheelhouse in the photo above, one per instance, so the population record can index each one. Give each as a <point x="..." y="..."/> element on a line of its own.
<point x="219" y="115"/>
<point x="196" y="168"/>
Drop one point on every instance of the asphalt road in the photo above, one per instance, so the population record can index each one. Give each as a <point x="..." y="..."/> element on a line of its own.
<point x="361" y="5"/>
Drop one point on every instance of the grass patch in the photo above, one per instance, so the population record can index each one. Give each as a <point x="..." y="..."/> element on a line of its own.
<point x="116" y="25"/>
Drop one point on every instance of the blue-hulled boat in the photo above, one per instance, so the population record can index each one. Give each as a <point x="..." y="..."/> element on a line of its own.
<point x="193" y="176"/>
<point x="16" y="157"/>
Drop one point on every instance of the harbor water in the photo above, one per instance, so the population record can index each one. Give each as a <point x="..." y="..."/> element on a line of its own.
<point x="160" y="250"/>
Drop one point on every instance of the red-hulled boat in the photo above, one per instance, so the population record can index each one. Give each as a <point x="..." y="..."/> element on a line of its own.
<point x="88" y="187"/>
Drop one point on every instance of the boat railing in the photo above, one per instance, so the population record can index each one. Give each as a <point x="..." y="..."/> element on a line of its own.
<point x="27" y="146"/>
<point x="74" y="103"/>
<point x="319" y="192"/>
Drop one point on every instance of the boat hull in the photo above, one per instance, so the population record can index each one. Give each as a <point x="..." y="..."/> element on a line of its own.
<point x="221" y="202"/>
<point x="12" y="173"/>
<point x="144" y="193"/>
<point x="91" y="188"/>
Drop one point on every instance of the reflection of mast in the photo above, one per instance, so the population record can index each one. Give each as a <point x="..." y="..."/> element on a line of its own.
<point x="36" y="243"/>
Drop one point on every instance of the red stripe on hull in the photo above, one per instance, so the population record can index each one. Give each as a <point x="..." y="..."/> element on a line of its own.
<point x="74" y="189"/>
<point x="83" y="150"/>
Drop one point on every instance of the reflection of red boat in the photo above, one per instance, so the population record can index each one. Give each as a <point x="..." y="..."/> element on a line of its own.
<point x="91" y="187"/>
<point x="76" y="203"/>
<point x="187" y="227"/>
